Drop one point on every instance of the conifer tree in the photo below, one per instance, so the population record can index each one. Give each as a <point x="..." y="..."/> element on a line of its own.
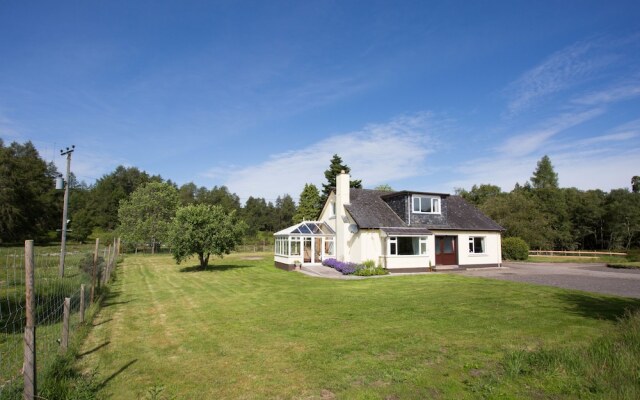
<point x="335" y="167"/>
<point x="309" y="206"/>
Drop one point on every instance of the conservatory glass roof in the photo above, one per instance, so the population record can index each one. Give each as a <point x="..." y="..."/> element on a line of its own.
<point x="308" y="228"/>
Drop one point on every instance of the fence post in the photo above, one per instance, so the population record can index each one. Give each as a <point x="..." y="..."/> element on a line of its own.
<point x="82" y="303"/>
<point x="64" y="343"/>
<point x="95" y="267"/>
<point x="29" y="367"/>
<point x="107" y="268"/>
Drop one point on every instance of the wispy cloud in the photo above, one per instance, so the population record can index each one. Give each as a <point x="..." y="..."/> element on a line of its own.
<point x="531" y="141"/>
<point x="561" y="70"/>
<point x="625" y="91"/>
<point x="378" y="153"/>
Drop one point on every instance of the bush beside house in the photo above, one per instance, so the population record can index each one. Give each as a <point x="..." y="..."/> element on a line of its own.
<point x="514" y="248"/>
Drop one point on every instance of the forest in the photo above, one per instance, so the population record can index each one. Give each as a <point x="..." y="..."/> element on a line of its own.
<point x="545" y="215"/>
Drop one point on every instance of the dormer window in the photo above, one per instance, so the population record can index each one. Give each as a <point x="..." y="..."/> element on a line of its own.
<point x="426" y="204"/>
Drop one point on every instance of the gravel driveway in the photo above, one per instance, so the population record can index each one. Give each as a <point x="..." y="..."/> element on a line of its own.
<point x="588" y="277"/>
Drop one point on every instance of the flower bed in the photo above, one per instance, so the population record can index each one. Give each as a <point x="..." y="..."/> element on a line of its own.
<point x="349" y="268"/>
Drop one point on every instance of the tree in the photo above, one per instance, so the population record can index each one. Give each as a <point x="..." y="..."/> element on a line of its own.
<point x="478" y="195"/>
<point x="384" y="188"/>
<point x="521" y="216"/>
<point x="146" y="215"/>
<point x="109" y="190"/>
<point x="29" y="204"/>
<point x="309" y="205"/>
<point x="544" y="177"/>
<point x="204" y="229"/>
<point x="285" y="209"/>
<point x="635" y="184"/>
<point x="335" y="167"/>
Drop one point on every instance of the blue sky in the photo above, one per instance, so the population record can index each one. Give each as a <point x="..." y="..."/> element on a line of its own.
<point x="421" y="95"/>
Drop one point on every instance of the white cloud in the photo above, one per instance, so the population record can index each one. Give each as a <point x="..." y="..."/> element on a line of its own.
<point x="561" y="70"/>
<point x="378" y="153"/>
<point x="625" y="91"/>
<point x="529" y="142"/>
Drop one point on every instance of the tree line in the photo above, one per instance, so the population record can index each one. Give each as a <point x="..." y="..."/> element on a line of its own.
<point x="539" y="211"/>
<point x="549" y="217"/>
<point x="31" y="207"/>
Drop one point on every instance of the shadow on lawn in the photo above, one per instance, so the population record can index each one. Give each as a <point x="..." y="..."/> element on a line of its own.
<point x="214" y="268"/>
<point x="118" y="372"/>
<point x="94" y="349"/>
<point x="593" y="306"/>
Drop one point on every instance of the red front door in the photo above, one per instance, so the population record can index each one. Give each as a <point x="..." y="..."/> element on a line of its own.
<point x="446" y="250"/>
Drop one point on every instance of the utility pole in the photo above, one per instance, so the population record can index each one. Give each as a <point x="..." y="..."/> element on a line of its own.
<point x="63" y="245"/>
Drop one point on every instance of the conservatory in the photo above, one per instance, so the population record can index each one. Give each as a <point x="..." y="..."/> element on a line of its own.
<point x="308" y="242"/>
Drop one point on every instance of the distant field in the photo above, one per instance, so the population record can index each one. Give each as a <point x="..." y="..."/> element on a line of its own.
<point x="244" y="329"/>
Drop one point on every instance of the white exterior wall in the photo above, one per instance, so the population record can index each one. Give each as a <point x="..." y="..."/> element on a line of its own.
<point x="367" y="245"/>
<point x="492" y="243"/>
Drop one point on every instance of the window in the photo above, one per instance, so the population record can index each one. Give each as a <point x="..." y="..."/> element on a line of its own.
<point x="476" y="245"/>
<point x="407" y="245"/>
<point x="426" y="205"/>
<point x="295" y="246"/>
<point x="328" y="247"/>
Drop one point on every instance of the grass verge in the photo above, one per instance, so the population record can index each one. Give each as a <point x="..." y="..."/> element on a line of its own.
<point x="244" y="329"/>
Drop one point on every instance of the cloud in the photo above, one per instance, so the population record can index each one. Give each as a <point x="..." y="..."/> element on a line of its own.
<point x="563" y="69"/>
<point x="528" y="142"/>
<point x="377" y="153"/>
<point x="621" y="92"/>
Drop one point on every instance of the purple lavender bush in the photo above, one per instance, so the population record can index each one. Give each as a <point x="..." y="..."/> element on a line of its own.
<point x="342" y="267"/>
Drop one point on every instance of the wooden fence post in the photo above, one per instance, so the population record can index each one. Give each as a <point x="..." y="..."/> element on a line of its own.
<point x="107" y="267"/>
<point x="29" y="366"/>
<point x="82" y="303"/>
<point x="64" y="343"/>
<point x="95" y="267"/>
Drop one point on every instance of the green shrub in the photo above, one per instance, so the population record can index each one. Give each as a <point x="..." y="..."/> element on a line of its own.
<point x="369" y="268"/>
<point x="514" y="248"/>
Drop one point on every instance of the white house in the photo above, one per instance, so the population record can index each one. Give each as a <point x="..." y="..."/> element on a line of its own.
<point x="403" y="231"/>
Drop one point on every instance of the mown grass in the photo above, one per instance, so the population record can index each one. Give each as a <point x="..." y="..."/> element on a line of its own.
<point x="244" y="329"/>
<point x="576" y="259"/>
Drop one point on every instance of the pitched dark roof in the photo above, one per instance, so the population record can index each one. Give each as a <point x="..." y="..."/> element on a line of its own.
<point x="370" y="211"/>
<point x="407" y="231"/>
<point x="464" y="216"/>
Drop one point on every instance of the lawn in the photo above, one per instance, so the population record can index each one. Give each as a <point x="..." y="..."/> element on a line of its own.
<point x="244" y="329"/>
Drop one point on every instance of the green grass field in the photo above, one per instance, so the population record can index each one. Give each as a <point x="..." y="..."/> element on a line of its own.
<point x="244" y="329"/>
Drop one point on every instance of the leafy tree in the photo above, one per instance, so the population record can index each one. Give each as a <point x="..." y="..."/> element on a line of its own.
<point x="285" y="209"/>
<point x="635" y="184"/>
<point x="309" y="205"/>
<point x="335" y="167"/>
<point x="521" y="216"/>
<point x="146" y="215"/>
<point x="384" y="187"/>
<point x="257" y="213"/>
<point x="622" y="216"/>
<point x="109" y="190"/>
<point x="187" y="193"/>
<point x="29" y="205"/>
<point x="204" y="229"/>
<point x="478" y="195"/>
<point x="218" y="196"/>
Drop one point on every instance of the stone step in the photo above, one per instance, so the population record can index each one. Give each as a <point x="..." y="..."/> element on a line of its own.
<point x="445" y="267"/>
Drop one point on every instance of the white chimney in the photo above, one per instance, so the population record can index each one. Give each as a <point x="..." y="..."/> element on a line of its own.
<point x="342" y="221"/>
<point x="342" y="188"/>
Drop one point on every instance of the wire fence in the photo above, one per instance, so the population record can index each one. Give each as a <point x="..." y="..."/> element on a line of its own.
<point x="57" y="308"/>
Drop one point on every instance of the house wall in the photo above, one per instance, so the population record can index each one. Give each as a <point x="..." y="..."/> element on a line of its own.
<point x="492" y="242"/>
<point x="367" y="245"/>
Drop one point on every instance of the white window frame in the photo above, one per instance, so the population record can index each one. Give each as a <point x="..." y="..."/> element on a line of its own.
<point x="423" y="248"/>
<point x="435" y="204"/>
<point x="472" y="245"/>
